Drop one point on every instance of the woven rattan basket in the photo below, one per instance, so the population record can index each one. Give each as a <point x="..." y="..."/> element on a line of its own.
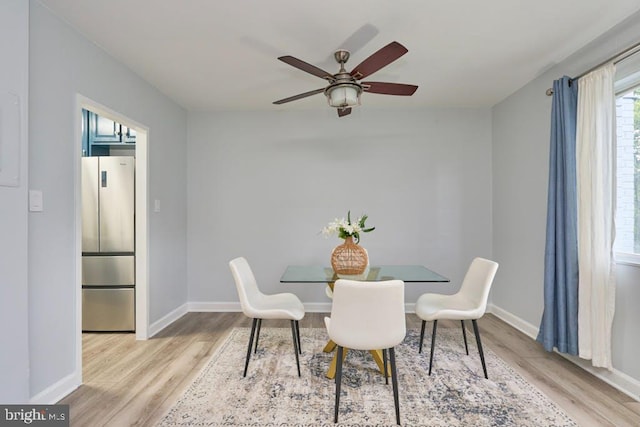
<point x="349" y="258"/>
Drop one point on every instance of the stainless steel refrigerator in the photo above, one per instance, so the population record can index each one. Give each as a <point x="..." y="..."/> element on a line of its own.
<point x="108" y="243"/>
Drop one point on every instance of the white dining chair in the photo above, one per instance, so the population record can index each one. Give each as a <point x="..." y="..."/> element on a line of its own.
<point x="367" y="316"/>
<point x="259" y="306"/>
<point x="469" y="303"/>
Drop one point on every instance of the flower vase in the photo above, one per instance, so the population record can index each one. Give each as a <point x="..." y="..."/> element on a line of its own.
<point x="349" y="258"/>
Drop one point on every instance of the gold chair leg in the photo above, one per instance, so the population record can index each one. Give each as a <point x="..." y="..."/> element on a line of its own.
<point x="329" y="347"/>
<point x="377" y="356"/>
<point x="331" y="373"/>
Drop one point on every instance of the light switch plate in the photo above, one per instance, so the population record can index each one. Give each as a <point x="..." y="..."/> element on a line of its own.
<point x="156" y="205"/>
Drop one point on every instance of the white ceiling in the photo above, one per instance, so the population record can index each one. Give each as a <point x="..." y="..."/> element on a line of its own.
<point x="221" y="54"/>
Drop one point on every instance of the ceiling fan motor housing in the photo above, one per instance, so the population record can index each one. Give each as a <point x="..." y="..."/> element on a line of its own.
<point x="342" y="56"/>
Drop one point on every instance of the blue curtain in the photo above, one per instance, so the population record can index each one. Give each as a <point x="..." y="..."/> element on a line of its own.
<point x="559" y="325"/>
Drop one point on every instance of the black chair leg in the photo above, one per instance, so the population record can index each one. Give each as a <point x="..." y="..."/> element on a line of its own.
<point x="338" y="382"/>
<point x="384" y="360"/>
<point x="255" y="350"/>
<point x="298" y="334"/>
<point x="253" y="330"/>
<point x="477" y="332"/>
<point x="433" y="344"/>
<point x="464" y="335"/>
<point x="424" y="322"/>
<point x="394" y="380"/>
<point x="295" y="344"/>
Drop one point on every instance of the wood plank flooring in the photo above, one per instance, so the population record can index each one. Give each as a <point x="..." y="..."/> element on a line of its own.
<point x="133" y="383"/>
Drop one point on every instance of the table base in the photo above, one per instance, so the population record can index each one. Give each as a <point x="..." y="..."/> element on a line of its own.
<point x="331" y="346"/>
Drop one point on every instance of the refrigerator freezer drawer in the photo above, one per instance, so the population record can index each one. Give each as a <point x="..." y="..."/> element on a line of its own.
<point x="116" y="270"/>
<point x="110" y="309"/>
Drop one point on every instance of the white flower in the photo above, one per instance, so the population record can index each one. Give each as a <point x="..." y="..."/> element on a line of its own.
<point x="345" y="228"/>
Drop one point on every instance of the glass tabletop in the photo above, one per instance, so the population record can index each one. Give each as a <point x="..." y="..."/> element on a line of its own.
<point x="320" y="274"/>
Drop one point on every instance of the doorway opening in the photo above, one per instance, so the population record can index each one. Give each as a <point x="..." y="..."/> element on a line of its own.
<point x="128" y="142"/>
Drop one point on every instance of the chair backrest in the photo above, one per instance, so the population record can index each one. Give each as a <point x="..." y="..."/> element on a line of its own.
<point x="477" y="282"/>
<point x="246" y="284"/>
<point x="367" y="315"/>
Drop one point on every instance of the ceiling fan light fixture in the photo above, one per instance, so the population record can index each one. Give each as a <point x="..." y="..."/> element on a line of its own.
<point x="344" y="95"/>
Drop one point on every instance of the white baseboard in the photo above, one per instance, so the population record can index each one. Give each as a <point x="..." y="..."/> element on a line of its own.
<point x="224" y="307"/>
<point x="168" y="319"/>
<point x="317" y="307"/>
<point x="220" y="307"/>
<point x="615" y="378"/>
<point x="234" y="307"/>
<point x="523" y="326"/>
<point x="57" y="391"/>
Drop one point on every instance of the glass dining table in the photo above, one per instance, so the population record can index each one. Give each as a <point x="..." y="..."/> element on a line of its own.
<point x="320" y="274"/>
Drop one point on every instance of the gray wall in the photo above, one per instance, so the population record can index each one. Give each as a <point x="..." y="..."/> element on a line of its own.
<point x="14" y="332"/>
<point x="521" y="127"/>
<point x="262" y="185"/>
<point x="64" y="64"/>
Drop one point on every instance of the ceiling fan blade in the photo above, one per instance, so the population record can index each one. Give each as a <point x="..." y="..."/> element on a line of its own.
<point x="389" y="88"/>
<point x="344" y="111"/>
<point x="304" y="66"/>
<point x="379" y="59"/>
<point x="353" y="43"/>
<point x="299" y="96"/>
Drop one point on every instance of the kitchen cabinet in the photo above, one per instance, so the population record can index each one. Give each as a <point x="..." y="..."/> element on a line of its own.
<point x="103" y="130"/>
<point x="100" y="134"/>
<point x="128" y="134"/>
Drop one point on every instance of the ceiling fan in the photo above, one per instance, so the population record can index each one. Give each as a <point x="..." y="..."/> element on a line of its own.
<point x="344" y="89"/>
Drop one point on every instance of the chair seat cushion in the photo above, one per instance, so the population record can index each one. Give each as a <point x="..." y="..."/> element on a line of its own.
<point x="437" y="306"/>
<point x="277" y="306"/>
<point x="376" y="341"/>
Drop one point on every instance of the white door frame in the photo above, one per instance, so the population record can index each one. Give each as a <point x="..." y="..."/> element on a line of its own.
<point x="141" y="220"/>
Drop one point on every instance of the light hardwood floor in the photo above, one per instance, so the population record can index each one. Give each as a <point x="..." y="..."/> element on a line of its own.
<point x="129" y="382"/>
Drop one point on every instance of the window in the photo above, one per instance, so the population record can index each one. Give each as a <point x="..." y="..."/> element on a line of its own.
<point x="627" y="89"/>
<point x="627" y="242"/>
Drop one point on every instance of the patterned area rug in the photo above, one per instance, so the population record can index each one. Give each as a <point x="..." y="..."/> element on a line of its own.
<point x="272" y="394"/>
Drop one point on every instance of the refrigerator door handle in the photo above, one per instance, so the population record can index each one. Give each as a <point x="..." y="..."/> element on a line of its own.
<point x="103" y="178"/>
